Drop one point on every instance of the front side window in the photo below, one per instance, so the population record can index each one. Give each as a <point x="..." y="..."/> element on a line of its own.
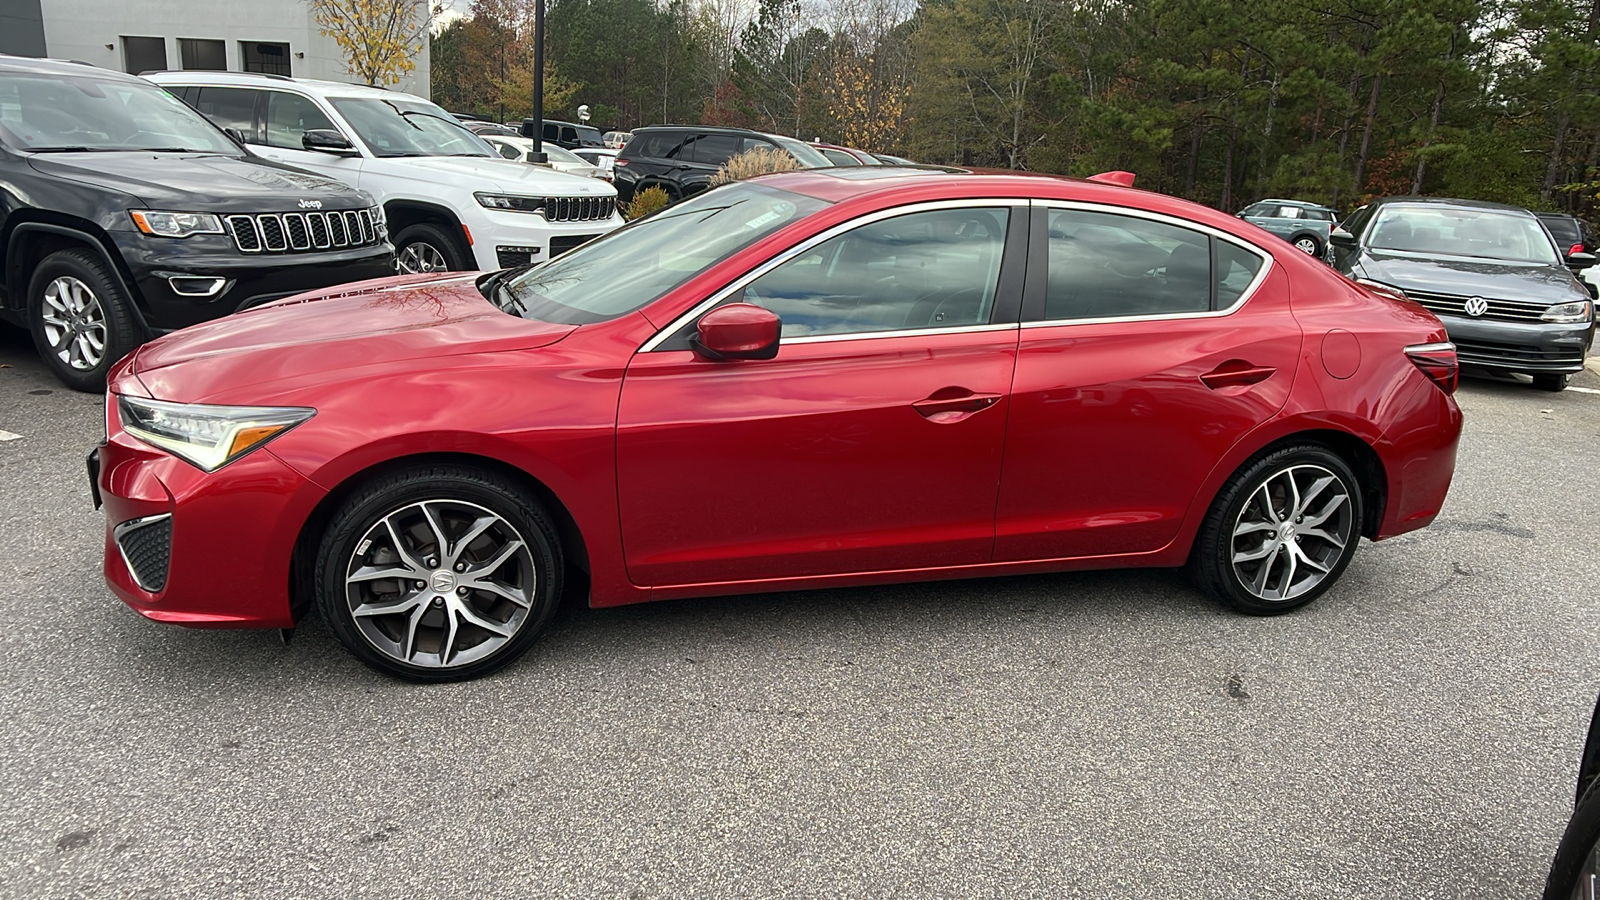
<point x="43" y="113"/>
<point x="406" y="126"/>
<point x="933" y="269"/>
<point x="716" y="149"/>
<point x="641" y="262"/>
<point x="290" y="116"/>
<point x="1287" y="212"/>
<point x="1108" y="265"/>
<point x="1473" y="233"/>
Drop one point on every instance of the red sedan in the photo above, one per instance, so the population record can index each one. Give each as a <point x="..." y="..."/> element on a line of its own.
<point x="822" y="378"/>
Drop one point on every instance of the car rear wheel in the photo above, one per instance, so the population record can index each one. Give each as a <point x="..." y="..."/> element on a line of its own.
<point x="424" y="248"/>
<point x="1281" y="531"/>
<point x="441" y="573"/>
<point x="1575" y="871"/>
<point x="1308" y="245"/>
<point x="1551" y="382"/>
<point x="81" y="319"/>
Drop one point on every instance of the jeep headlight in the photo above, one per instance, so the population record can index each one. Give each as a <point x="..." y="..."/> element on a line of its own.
<point x="510" y="202"/>
<point x="1576" y="311"/>
<point x="175" y="224"/>
<point x="380" y="225"/>
<point x="208" y="436"/>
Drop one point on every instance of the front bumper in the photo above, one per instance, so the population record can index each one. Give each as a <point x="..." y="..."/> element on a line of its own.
<point x="247" y="279"/>
<point x="501" y="239"/>
<point x="1528" y="347"/>
<point x="206" y="550"/>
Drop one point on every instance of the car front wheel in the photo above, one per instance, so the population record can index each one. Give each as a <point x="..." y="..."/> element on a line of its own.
<point x="81" y="319"/>
<point x="428" y="248"/>
<point x="1281" y="531"/>
<point x="441" y="573"/>
<point x="1551" y="382"/>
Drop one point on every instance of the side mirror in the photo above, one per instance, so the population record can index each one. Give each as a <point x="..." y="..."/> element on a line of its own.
<point x="1579" y="261"/>
<point x="1339" y="237"/>
<point x="327" y="140"/>
<point x="236" y="134"/>
<point x="737" y="331"/>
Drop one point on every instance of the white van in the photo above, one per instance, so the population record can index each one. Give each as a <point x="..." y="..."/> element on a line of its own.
<point x="450" y="200"/>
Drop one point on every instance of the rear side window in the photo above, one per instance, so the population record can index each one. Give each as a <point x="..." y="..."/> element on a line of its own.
<point x="660" y="145"/>
<point x="231" y="108"/>
<point x="289" y="117"/>
<point x="716" y="149"/>
<point x="1106" y="265"/>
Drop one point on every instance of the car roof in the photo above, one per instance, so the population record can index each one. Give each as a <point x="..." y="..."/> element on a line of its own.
<point x="1303" y="204"/>
<point x="1451" y="202"/>
<point x="1558" y="216"/>
<point x="257" y="79"/>
<point x="36" y="66"/>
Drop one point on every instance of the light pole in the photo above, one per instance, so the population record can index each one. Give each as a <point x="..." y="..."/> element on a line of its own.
<point x="537" y="154"/>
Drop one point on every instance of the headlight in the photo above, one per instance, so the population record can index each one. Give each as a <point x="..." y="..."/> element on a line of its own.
<point x="208" y="436"/>
<point x="510" y="202"/>
<point x="1386" y="289"/>
<point x="1576" y="311"/>
<point x="175" y="224"/>
<point x="379" y="223"/>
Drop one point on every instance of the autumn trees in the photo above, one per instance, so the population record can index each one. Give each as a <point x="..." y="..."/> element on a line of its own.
<point x="1224" y="101"/>
<point x="380" y="39"/>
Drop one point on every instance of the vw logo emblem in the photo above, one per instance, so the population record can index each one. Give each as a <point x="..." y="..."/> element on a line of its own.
<point x="1476" y="306"/>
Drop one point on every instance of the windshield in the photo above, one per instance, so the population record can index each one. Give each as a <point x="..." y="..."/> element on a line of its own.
<point x="804" y="153"/>
<point x="1475" y="233"/>
<point x="406" y="126"/>
<point x="562" y="155"/>
<point x="44" y="113"/>
<point x="639" y="263"/>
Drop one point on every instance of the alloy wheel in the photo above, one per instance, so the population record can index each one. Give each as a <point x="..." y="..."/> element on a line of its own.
<point x="1291" y="532"/>
<point x="74" y="323"/>
<point x="420" y="257"/>
<point x="440" y="583"/>
<point x="1307" y="246"/>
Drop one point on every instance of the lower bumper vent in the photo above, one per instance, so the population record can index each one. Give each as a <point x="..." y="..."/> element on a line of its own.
<point x="146" y="546"/>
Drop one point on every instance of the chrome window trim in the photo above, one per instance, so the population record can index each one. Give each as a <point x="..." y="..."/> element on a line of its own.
<point x="1164" y="219"/>
<point x="743" y="281"/>
<point x="904" y="332"/>
<point x="121" y="529"/>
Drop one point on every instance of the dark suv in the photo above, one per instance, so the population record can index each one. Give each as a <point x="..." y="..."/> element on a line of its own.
<point x="681" y="159"/>
<point x="1572" y="234"/>
<point x="125" y="214"/>
<point x="566" y="134"/>
<point x="1488" y="271"/>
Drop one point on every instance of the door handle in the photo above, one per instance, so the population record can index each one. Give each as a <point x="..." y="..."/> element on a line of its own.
<point x="1236" y="373"/>
<point x="953" y="404"/>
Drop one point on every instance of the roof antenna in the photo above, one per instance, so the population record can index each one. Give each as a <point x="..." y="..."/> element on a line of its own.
<point x="1125" y="179"/>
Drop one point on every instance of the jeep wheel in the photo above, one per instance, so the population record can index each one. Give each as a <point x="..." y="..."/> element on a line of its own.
<point x="428" y="248"/>
<point x="81" y="319"/>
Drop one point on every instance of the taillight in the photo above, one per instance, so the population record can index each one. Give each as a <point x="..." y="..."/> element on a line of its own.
<point x="1576" y="248"/>
<point x="620" y="162"/>
<point x="1439" y="363"/>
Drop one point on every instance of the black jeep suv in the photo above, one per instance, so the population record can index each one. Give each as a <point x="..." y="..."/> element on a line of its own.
<point x="124" y="214"/>
<point x="680" y="159"/>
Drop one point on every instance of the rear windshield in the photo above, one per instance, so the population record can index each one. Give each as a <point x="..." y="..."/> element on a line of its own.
<point x="1564" y="230"/>
<point x="639" y="263"/>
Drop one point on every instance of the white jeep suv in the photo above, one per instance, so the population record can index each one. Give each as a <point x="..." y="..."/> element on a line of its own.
<point x="450" y="200"/>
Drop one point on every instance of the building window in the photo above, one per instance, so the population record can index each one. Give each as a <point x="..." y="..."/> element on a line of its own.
<point x="197" y="53"/>
<point x="259" y="56"/>
<point x="144" y="54"/>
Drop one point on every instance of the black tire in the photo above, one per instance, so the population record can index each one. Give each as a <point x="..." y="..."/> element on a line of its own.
<point x="1309" y="244"/>
<point x="1552" y="383"/>
<point x="444" y="620"/>
<point x="429" y="243"/>
<point x="1212" y="564"/>
<point x="70" y="353"/>
<point x="1577" y="859"/>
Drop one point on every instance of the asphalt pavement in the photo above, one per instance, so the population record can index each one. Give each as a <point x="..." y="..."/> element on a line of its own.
<point x="1414" y="733"/>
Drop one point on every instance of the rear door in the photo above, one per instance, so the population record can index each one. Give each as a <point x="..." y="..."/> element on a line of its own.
<point x="1149" y="346"/>
<point x="871" y="442"/>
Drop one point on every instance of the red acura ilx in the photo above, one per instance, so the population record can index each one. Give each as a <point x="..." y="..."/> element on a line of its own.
<point x="823" y="378"/>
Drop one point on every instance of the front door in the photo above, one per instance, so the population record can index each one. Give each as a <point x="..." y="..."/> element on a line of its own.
<point x="872" y="442"/>
<point x="1151" y="348"/>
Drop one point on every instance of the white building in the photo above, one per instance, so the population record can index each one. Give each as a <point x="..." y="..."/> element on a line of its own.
<point x="272" y="36"/>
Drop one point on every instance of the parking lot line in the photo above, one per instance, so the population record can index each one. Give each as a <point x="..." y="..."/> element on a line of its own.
<point x="8" y="436"/>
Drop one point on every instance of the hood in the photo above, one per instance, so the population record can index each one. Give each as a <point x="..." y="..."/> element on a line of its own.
<point x="489" y="173"/>
<point x="1467" y="277"/>
<point x="385" y="322"/>
<point x="200" y="182"/>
